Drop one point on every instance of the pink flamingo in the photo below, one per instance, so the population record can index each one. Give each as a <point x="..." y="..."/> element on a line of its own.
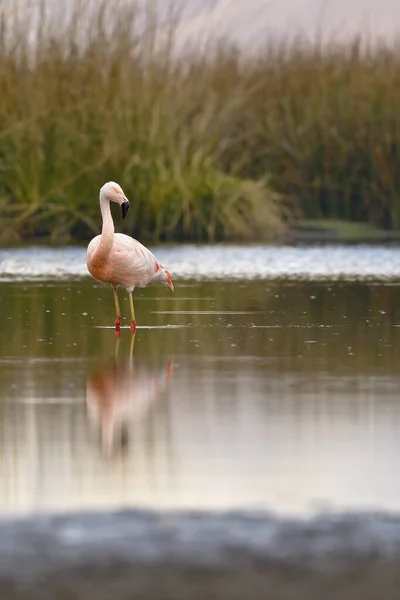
<point x="120" y="260"/>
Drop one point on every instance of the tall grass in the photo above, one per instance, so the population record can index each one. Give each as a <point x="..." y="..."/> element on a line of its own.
<point x="329" y="128"/>
<point x="208" y="145"/>
<point x="104" y="98"/>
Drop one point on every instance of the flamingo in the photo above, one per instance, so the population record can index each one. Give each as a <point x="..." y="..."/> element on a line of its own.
<point x="119" y="259"/>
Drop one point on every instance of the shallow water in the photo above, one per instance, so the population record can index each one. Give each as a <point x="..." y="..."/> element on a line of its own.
<point x="268" y="393"/>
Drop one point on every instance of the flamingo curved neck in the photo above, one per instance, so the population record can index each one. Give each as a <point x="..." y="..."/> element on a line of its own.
<point x="107" y="232"/>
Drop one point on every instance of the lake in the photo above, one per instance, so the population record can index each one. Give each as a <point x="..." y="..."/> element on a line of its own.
<point x="269" y="380"/>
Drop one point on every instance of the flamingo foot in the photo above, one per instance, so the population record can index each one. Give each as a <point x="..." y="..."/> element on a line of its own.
<point x="133" y="326"/>
<point x="118" y="323"/>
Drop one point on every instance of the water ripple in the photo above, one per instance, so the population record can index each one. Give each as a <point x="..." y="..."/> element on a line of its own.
<point x="362" y="262"/>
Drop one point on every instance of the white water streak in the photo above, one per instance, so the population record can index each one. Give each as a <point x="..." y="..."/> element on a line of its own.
<point x="361" y="262"/>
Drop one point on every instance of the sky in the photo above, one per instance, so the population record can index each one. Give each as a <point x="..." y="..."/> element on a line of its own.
<point x="250" y="22"/>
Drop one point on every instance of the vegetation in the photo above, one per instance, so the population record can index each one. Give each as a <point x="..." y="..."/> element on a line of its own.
<point x="208" y="145"/>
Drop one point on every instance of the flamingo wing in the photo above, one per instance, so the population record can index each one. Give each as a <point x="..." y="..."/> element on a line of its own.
<point x="134" y="261"/>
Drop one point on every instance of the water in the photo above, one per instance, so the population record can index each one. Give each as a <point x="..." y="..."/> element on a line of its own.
<point x="323" y="263"/>
<point x="278" y="391"/>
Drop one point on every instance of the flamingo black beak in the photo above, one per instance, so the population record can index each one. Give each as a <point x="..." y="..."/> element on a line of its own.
<point x="125" y="208"/>
<point x="169" y="280"/>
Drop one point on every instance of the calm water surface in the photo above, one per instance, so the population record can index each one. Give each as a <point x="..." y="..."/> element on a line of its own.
<point x="265" y="393"/>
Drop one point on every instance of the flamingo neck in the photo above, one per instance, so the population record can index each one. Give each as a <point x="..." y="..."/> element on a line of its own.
<point x="107" y="232"/>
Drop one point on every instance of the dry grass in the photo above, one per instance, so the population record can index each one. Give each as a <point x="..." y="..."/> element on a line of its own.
<point x="208" y="146"/>
<point x="77" y="110"/>
<point x="330" y="129"/>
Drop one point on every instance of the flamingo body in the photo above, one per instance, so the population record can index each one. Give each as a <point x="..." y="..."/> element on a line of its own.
<point x="129" y="263"/>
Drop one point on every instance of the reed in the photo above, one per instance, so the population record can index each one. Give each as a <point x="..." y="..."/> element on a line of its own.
<point x="208" y="145"/>
<point x="105" y="98"/>
<point x="329" y="128"/>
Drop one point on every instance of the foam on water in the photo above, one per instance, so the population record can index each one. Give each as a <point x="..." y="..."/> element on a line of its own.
<point x="362" y="262"/>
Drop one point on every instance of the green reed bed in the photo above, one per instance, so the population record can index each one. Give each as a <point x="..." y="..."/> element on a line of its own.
<point x="208" y="145"/>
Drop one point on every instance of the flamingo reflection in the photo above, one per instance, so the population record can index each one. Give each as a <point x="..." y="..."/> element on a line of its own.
<point x="120" y="397"/>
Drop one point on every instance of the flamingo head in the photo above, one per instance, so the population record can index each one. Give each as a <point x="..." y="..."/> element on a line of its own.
<point x="113" y="192"/>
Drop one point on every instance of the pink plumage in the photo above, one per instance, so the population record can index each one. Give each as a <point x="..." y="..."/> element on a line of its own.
<point x="120" y="260"/>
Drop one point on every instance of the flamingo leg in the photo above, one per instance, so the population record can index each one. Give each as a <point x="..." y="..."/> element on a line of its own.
<point x="132" y="345"/>
<point x="133" y="322"/>
<point x="117" y="309"/>
<point x="117" y="344"/>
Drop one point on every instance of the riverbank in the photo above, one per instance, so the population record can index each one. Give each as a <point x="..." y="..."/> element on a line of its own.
<point x="213" y="145"/>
